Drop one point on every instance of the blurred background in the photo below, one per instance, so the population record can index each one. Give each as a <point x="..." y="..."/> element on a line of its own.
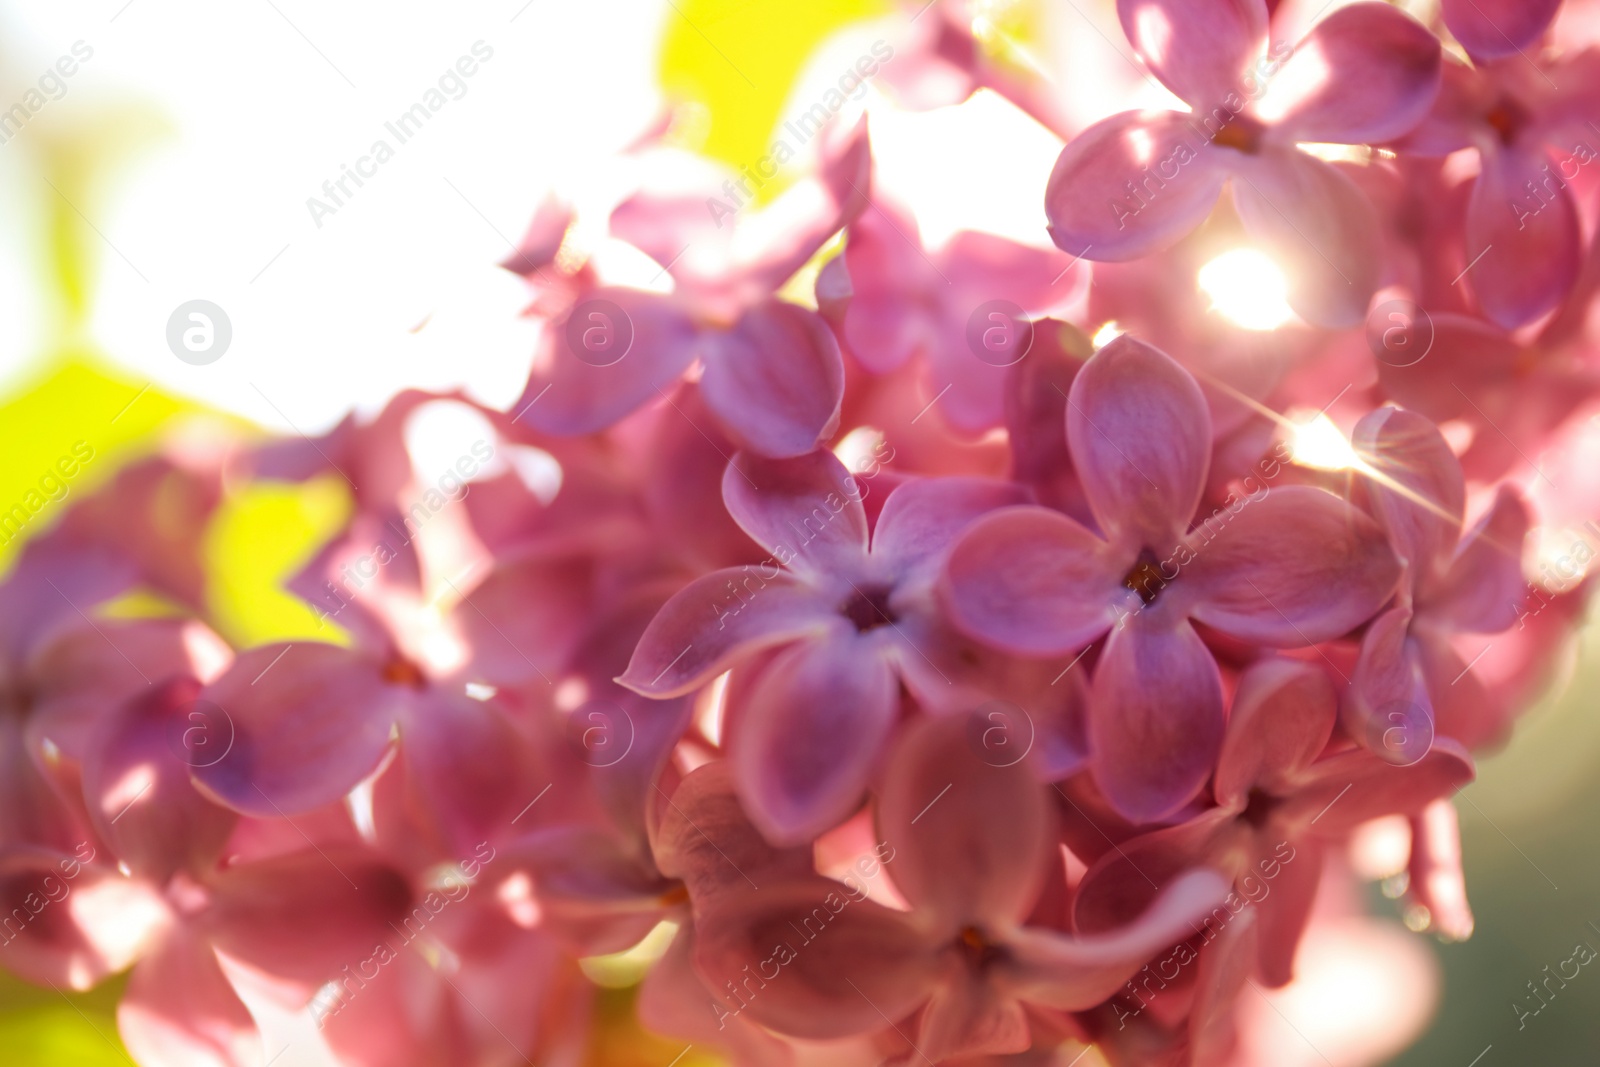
<point x="203" y="152"/>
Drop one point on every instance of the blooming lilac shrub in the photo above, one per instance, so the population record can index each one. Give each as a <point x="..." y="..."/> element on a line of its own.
<point x="915" y="657"/>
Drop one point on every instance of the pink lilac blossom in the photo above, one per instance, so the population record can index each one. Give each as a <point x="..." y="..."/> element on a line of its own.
<point x="856" y="695"/>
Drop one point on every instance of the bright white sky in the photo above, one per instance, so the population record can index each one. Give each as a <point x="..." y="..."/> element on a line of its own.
<point x="261" y="110"/>
<point x="264" y="100"/>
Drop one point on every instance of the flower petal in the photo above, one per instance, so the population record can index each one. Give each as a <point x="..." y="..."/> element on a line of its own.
<point x="1466" y="710"/>
<point x="718" y="619"/>
<point x="1155" y="716"/>
<point x="775" y="380"/>
<point x="1484" y="586"/>
<point x="139" y="792"/>
<point x="402" y="1017"/>
<point x="1416" y="488"/>
<point x="1469" y="357"/>
<point x="450" y="739"/>
<point x="1225" y="965"/>
<point x="807" y="511"/>
<point x="1387" y="708"/>
<point x="1494" y="29"/>
<point x="85" y="672"/>
<point x="1296" y="567"/>
<point x="1126" y="879"/>
<point x="1354" y="786"/>
<point x="70" y="923"/>
<point x="1200" y="49"/>
<point x="180" y="1009"/>
<point x="968" y="1016"/>
<point x="1140" y="434"/>
<point x="970" y="838"/>
<point x="922" y="518"/>
<point x="1437" y="882"/>
<point x="1035" y="406"/>
<point x="1031" y="581"/>
<point x="522" y="620"/>
<point x="1282" y="716"/>
<point x="1319" y="227"/>
<point x="31" y="811"/>
<point x="814" y="726"/>
<point x="843" y="965"/>
<point x="568" y="395"/>
<point x="706" y="840"/>
<point x="1176" y="173"/>
<point x="673" y="1000"/>
<point x="1530" y="241"/>
<point x="304" y="733"/>
<point x="1075" y="973"/>
<point x="887" y="320"/>
<point x="304" y="915"/>
<point x="1366" y="73"/>
<point x="1286" y="911"/>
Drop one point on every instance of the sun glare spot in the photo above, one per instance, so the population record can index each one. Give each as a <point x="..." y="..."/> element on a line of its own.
<point x="1106" y="334"/>
<point x="1316" y="442"/>
<point x="1247" y="289"/>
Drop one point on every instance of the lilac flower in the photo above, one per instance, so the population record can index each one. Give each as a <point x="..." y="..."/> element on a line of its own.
<point x="821" y="634"/>
<point x="1134" y="183"/>
<point x="1287" y="567"/>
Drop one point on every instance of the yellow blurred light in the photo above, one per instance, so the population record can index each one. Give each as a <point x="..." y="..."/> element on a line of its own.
<point x="1247" y="289"/>
<point x="1318" y="443"/>
<point x="622" y="969"/>
<point x="1106" y="334"/>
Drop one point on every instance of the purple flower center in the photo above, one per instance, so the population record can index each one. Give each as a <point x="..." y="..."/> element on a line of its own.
<point x="978" y="950"/>
<point x="1507" y="118"/>
<point x="401" y="671"/>
<point x="1146" y="578"/>
<point x="868" y="608"/>
<point x="1241" y="133"/>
